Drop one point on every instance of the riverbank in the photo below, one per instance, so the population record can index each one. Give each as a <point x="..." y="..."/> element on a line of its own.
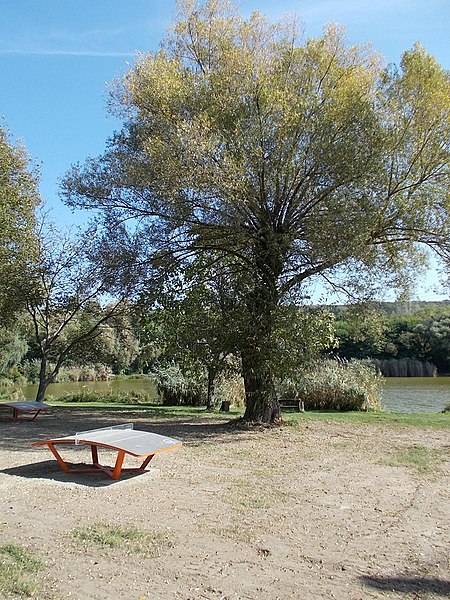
<point x="322" y="509"/>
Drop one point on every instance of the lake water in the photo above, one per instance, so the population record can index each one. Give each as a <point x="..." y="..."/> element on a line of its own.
<point x="416" y="394"/>
<point x="400" y="394"/>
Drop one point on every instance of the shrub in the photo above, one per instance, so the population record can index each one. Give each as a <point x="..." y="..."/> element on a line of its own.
<point x="336" y="385"/>
<point x="10" y="390"/>
<point x="176" y="388"/>
<point x="230" y="388"/>
<point x="118" y="397"/>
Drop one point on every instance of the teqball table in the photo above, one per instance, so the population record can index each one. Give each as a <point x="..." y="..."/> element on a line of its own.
<point x="25" y="407"/>
<point x="122" y="438"/>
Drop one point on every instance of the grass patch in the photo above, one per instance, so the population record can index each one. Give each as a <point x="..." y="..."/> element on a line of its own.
<point x="17" y="567"/>
<point x="434" y="420"/>
<point x="129" y="539"/>
<point x="423" y="460"/>
<point x="235" y="533"/>
<point x="244" y="495"/>
<point x="151" y="410"/>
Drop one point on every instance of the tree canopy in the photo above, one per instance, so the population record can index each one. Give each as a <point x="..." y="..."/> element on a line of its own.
<point x="285" y="159"/>
<point x="19" y="198"/>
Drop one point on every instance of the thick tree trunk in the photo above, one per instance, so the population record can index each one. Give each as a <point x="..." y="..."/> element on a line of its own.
<point x="257" y="352"/>
<point x="261" y="401"/>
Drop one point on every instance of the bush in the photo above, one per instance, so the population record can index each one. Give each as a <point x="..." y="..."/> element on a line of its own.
<point x="229" y="388"/>
<point x="336" y="385"/>
<point x="10" y="391"/>
<point x="176" y="388"/>
<point x="98" y="372"/>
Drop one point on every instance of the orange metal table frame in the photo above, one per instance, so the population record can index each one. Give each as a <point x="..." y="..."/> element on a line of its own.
<point x="139" y="444"/>
<point x="25" y="407"/>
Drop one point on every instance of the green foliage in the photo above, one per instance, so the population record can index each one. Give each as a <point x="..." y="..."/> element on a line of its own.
<point x="178" y="388"/>
<point x="17" y="569"/>
<point x="336" y="385"/>
<point x="119" y="397"/>
<point x="19" y="198"/>
<point x="12" y="349"/>
<point x="405" y="339"/>
<point x="285" y="159"/>
<point x="10" y="391"/>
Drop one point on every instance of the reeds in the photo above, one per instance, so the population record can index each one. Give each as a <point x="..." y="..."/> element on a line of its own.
<point x="405" y="367"/>
<point x="336" y="385"/>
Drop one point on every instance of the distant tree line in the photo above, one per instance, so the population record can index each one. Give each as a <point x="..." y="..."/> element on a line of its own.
<point x="405" y="338"/>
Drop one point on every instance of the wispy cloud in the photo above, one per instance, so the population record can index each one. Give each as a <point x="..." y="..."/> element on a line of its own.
<point x="93" y="42"/>
<point x="56" y="52"/>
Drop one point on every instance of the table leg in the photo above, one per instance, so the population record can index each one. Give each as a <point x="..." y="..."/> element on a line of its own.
<point x="94" y="454"/>
<point x="146" y="461"/>
<point x="61" y="462"/>
<point x="15" y="414"/>
<point x="118" y="465"/>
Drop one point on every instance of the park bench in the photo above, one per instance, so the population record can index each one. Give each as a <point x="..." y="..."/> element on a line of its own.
<point x="292" y="404"/>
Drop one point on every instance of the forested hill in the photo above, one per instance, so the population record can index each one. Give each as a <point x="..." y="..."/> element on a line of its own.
<point x="413" y="330"/>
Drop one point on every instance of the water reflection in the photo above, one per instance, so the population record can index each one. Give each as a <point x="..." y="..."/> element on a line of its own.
<point x="416" y="394"/>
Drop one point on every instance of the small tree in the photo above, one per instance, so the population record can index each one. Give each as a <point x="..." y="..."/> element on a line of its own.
<point x="197" y="322"/>
<point x="68" y="296"/>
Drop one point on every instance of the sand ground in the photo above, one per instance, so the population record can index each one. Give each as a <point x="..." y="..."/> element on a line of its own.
<point x="319" y="511"/>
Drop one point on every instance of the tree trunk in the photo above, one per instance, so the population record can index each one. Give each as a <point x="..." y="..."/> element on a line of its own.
<point x="43" y="380"/>
<point x="261" y="401"/>
<point x="210" y="397"/>
<point x="257" y="352"/>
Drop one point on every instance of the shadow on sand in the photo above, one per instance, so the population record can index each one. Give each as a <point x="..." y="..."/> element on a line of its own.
<point x="409" y="585"/>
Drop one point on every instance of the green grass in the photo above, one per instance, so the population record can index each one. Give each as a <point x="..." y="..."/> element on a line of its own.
<point x="437" y="420"/>
<point x="152" y="410"/>
<point x="423" y="460"/>
<point x="128" y="539"/>
<point x="17" y="568"/>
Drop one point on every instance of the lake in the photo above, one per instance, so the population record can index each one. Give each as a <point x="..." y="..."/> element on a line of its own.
<point x="416" y="394"/>
<point x="400" y="394"/>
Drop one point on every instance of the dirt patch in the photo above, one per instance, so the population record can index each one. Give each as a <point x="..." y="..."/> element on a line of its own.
<point x="323" y="510"/>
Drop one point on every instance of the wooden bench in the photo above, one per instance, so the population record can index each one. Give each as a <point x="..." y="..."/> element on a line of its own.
<point x="292" y="404"/>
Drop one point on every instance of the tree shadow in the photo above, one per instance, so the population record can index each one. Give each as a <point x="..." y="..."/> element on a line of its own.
<point x="61" y="423"/>
<point x="409" y="585"/>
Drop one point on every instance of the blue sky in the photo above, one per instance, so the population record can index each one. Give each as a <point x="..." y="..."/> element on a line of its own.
<point x="56" y="57"/>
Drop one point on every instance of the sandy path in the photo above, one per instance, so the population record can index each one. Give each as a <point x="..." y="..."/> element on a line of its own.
<point x="323" y="510"/>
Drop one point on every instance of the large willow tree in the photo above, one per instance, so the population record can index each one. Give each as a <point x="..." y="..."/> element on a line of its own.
<point x="290" y="159"/>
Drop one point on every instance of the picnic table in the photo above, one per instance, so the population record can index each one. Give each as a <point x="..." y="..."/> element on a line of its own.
<point x="25" y="407"/>
<point x="121" y="438"/>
